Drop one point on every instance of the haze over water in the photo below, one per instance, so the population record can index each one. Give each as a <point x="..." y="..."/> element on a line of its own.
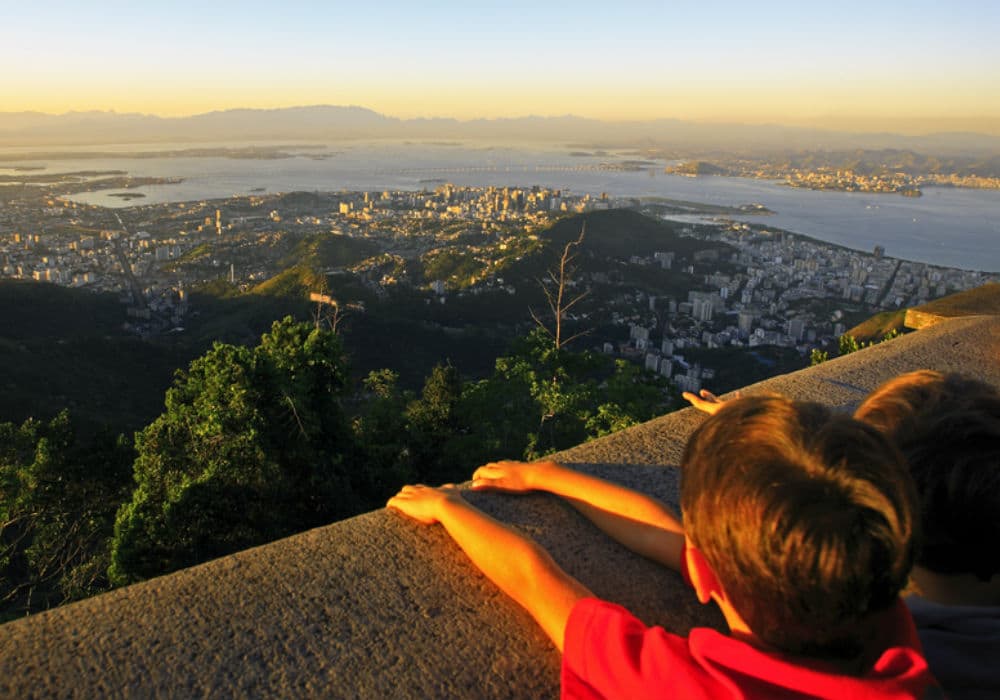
<point x="951" y="227"/>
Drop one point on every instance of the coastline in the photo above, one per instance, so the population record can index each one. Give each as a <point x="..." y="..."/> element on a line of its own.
<point x="949" y="226"/>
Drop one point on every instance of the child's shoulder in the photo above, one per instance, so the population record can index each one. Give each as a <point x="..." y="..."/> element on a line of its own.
<point x="610" y="651"/>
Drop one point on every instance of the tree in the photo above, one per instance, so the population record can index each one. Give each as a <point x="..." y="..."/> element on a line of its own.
<point x="435" y="425"/>
<point x="541" y="399"/>
<point x="848" y="344"/>
<point x="818" y="357"/>
<point x="58" y="498"/>
<point x="632" y="395"/>
<point x="498" y="414"/>
<point x="556" y="294"/>
<point x="381" y="437"/>
<point x="251" y="447"/>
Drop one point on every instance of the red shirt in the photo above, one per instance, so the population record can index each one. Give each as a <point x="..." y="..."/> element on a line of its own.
<point x="611" y="654"/>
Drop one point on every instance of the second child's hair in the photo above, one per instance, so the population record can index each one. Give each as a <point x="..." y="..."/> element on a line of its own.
<point x="806" y="517"/>
<point x="948" y="428"/>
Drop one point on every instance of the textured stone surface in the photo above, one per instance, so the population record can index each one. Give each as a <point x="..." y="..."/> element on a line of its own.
<point x="377" y="606"/>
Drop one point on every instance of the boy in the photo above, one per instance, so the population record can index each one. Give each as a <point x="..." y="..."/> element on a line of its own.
<point x="798" y="524"/>
<point x="948" y="429"/>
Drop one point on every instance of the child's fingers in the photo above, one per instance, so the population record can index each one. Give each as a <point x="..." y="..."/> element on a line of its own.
<point x="705" y="401"/>
<point x="506" y="476"/>
<point x="698" y="402"/>
<point x="480" y="472"/>
<point x="490" y="471"/>
<point x="405" y="494"/>
<point x="411" y="501"/>
<point x="408" y="493"/>
<point x="485" y="482"/>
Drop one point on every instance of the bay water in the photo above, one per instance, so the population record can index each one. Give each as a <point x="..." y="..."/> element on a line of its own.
<point x="951" y="227"/>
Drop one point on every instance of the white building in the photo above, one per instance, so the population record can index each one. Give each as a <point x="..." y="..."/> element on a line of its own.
<point x="652" y="362"/>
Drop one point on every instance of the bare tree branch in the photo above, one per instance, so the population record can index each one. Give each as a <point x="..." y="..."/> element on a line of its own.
<point x="324" y="300"/>
<point x="539" y="322"/>
<point x="302" y="428"/>
<point x="576" y="335"/>
<point x="556" y="300"/>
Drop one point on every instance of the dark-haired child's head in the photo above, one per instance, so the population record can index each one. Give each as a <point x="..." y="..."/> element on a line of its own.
<point x="948" y="428"/>
<point x="806" y="518"/>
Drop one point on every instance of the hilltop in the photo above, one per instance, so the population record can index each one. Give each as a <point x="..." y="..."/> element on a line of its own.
<point x="63" y="348"/>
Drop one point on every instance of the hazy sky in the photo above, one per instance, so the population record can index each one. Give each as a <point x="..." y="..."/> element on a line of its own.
<point x="848" y="64"/>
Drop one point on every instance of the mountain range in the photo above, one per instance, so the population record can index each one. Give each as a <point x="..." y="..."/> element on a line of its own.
<point x="324" y="123"/>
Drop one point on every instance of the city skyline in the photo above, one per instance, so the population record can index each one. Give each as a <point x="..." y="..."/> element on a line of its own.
<point x="916" y="67"/>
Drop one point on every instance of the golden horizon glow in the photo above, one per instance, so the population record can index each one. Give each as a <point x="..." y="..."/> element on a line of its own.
<point x="902" y="116"/>
<point x="908" y="67"/>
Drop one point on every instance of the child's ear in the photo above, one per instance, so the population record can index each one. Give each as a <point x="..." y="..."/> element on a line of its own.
<point x="700" y="572"/>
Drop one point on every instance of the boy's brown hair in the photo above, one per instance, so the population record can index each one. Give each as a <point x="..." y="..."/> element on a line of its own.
<point x="948" y="428"/>
<point x="806" y="517"/>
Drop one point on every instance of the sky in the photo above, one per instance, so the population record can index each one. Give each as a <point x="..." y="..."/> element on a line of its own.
<point x="910" y="66"/>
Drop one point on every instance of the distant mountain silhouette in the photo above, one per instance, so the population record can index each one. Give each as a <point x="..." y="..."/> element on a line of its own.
<point x="330" y="123"/>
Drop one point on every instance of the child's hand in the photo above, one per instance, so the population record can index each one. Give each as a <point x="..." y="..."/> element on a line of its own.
<point x="706" y="401"/>
<point x="516" y="477"/>
<point x="422" y="503"/>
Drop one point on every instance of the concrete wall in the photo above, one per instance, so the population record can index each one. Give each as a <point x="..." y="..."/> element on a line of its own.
<point x="377" y="606"/>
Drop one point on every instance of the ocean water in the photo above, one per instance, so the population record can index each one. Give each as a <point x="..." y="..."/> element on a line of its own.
<point x="952" y="227"/>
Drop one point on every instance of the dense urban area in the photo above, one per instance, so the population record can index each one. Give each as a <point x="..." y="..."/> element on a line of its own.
<point x="875" y="172"/>
<point x="768" y="287"/>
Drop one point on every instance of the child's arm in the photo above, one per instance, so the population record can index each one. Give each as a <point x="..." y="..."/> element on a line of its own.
<point x="642" y="523"/>
<point x="516" y="564"/>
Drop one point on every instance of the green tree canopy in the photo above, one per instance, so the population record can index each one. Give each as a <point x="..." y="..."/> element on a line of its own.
<point x="436" y="427"/>
<point x="250" y="448"/>
<point x="58" y="498"/>
<point x="541" y="399"/>
<point x="382" y="457"/>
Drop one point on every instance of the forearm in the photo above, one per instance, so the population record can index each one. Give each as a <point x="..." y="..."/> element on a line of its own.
<point x="605" y="496"/>
<point x="662" y="545"/>
<point x="516" y="564"/>
<point x="644" y="524"/>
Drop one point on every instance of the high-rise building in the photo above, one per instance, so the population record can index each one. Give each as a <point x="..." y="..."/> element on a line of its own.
<point x="796" y="328"/>
<point x="637" y="332"/>
<point x="702" y="308"/>
<point x="665" y="259"/>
